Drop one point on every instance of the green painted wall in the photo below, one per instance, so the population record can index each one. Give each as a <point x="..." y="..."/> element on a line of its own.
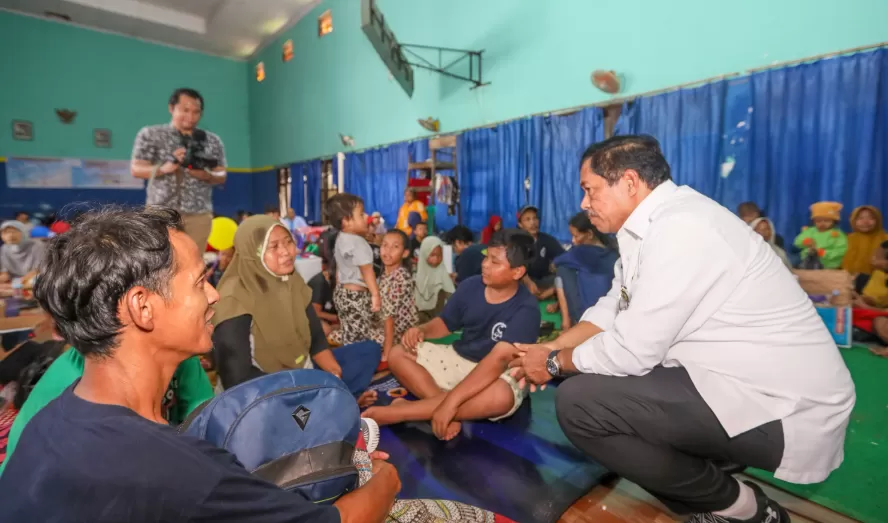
<point x="112" y="82"/>
<point x="539" y="55"/>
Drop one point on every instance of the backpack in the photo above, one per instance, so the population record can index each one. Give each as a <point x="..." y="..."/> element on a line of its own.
<point x="297" y="429"/>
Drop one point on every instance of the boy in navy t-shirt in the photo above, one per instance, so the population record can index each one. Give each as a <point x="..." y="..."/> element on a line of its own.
<point x="469" y="379"/>
<point x="469" y="255"/>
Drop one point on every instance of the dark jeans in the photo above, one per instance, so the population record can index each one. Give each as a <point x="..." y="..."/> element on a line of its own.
<point x="358" y="362"/>
<point x="656" y="431"/>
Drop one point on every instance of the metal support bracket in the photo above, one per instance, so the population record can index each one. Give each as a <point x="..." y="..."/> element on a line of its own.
<point x="475" y="77"/>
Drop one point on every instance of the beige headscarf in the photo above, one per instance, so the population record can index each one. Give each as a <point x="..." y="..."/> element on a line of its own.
<point x="772" y="241"/>
<point x="430" y="280"/>
<point x="281" y="335"/>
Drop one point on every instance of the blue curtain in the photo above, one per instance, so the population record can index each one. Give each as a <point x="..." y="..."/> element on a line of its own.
<point x="557" y="145"/>
<point x="265" y="189"/>
<point x="493" y="165"/>
<point x="688" y="124"/>
<point x="818" y="131"/>
<point x="379" y="176"/>
<point x="298" y="176"/>
<point x="313" y="171"/>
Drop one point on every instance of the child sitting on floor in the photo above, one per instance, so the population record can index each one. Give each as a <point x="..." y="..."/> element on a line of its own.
<point x="864" y="240"/>
<point x="825" y="240"/>
<point x="871" y="306"/>
<point x="540" y="272"/>
<point x="322" y="285"/>
<point x="396" y="289"/>
<point x="433" y="284"/>
<point x="469" y="379"/>
<point x="420" y="232"/>
<point x="356" y="295"/>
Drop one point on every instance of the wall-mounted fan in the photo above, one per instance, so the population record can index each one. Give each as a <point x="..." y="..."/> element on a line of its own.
<point x="607" y="81"/>
<point x="430" y="124"/>
<point x="346" y="140"/>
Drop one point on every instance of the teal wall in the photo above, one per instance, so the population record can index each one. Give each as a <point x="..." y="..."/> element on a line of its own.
<point x="539" y="55"/>
<point x="113" y="82"/>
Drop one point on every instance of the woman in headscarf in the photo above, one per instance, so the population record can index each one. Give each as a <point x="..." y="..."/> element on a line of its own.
<point x="494" y="224"/>
<point x="411" y="204"/>
<point x="866" y="237"/>
<point x="265" y="321"/>
<point x="433" y="283"/>
<point x="20" y="256"/>
<point x="765" y="228"/>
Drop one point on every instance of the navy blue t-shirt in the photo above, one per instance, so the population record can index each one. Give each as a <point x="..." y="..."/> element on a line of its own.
<point x="468" y="263"/>
<point x="516" y="320"/>
<point x="545" y="249"/>
<point x="83" y="461"/>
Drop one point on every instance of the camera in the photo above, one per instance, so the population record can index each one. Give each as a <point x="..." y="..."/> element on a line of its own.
<point x="196" y="152"/>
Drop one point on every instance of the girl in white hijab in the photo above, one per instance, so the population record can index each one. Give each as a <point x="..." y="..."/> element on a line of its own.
<point x="20" y="256"/>
<point x="765" y="228"/>
<point x="433" y="283"/>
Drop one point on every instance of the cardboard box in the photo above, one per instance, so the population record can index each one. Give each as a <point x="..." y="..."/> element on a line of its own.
<point x="838" y="321"/>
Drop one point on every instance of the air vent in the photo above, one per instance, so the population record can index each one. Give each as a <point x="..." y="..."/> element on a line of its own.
<point x="57" y="16"/>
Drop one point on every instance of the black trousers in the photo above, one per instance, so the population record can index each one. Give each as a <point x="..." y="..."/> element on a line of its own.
<point x="656" y="431"/>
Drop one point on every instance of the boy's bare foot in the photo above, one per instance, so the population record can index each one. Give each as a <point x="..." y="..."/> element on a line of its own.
<point x="367" y="398"/>
<point x="452" y="430"/>
<point x="881" y="351"/>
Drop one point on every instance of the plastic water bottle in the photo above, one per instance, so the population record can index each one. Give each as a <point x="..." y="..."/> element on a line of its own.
<point x="14" y="304"/>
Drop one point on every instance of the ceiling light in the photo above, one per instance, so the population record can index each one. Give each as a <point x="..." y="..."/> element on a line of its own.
<point x="274" y="25"/>
<point x="148" y="13"/>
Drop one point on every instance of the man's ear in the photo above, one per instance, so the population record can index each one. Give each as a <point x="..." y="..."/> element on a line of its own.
<point x="633" y="181"/>
<point x="518" y="273"/>
<point x="138" y="308"/>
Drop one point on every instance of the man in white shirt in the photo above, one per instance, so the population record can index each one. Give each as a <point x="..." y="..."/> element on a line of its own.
<point x="705" y="351"/>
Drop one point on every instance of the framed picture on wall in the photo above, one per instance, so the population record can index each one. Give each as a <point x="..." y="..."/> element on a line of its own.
<point x="22" y="130"/>
<point x="102" y="137"/>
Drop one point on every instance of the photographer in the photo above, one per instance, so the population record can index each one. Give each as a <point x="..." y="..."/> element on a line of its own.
<point x="181" y="164"/>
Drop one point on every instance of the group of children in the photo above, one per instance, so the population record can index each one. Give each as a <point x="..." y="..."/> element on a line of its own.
<point x="401" y="309"/>
<point x="378" y="305"/>
<point x="863" y="253"/>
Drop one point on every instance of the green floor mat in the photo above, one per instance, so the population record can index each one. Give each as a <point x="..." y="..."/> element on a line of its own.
<point x="857" y="487"/>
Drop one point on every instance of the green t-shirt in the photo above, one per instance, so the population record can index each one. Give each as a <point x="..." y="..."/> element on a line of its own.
<point x="189" y="388"/>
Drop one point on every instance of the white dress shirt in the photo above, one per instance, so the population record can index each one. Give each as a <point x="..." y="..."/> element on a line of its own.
<point x="706" y="293"/>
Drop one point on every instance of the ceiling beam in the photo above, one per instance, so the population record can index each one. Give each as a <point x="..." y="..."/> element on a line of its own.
<point x="148" y="13"/>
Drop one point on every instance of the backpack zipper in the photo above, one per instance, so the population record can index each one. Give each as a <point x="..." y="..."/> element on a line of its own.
<point x="315" y="477"/>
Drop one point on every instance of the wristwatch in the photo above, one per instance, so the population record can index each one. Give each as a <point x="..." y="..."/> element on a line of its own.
<point x="553" y="366"/>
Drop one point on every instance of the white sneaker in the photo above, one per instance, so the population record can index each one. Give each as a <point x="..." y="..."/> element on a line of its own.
<point x="370" y="430"/>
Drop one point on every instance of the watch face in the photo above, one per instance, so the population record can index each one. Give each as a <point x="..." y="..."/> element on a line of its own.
<point x="551" y="367"/>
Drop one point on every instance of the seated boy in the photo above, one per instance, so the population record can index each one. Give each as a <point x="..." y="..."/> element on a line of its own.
<point x="871" y="306"/>
<point x="469" y="255"/>
<point x="469" y="380"/>
<point x="540" y="278"/>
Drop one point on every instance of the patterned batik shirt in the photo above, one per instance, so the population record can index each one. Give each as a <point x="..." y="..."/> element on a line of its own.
<point x="186" y="194"/>
<point x="396" y="291"/>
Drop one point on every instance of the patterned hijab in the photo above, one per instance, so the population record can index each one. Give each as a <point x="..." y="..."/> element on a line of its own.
<point x="280" y="331"/>
<point x="430" y="280"/>
<point x="24" y="257"/>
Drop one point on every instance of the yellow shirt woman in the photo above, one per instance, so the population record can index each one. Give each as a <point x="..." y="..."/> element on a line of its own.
<point x="411" y="204"/>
